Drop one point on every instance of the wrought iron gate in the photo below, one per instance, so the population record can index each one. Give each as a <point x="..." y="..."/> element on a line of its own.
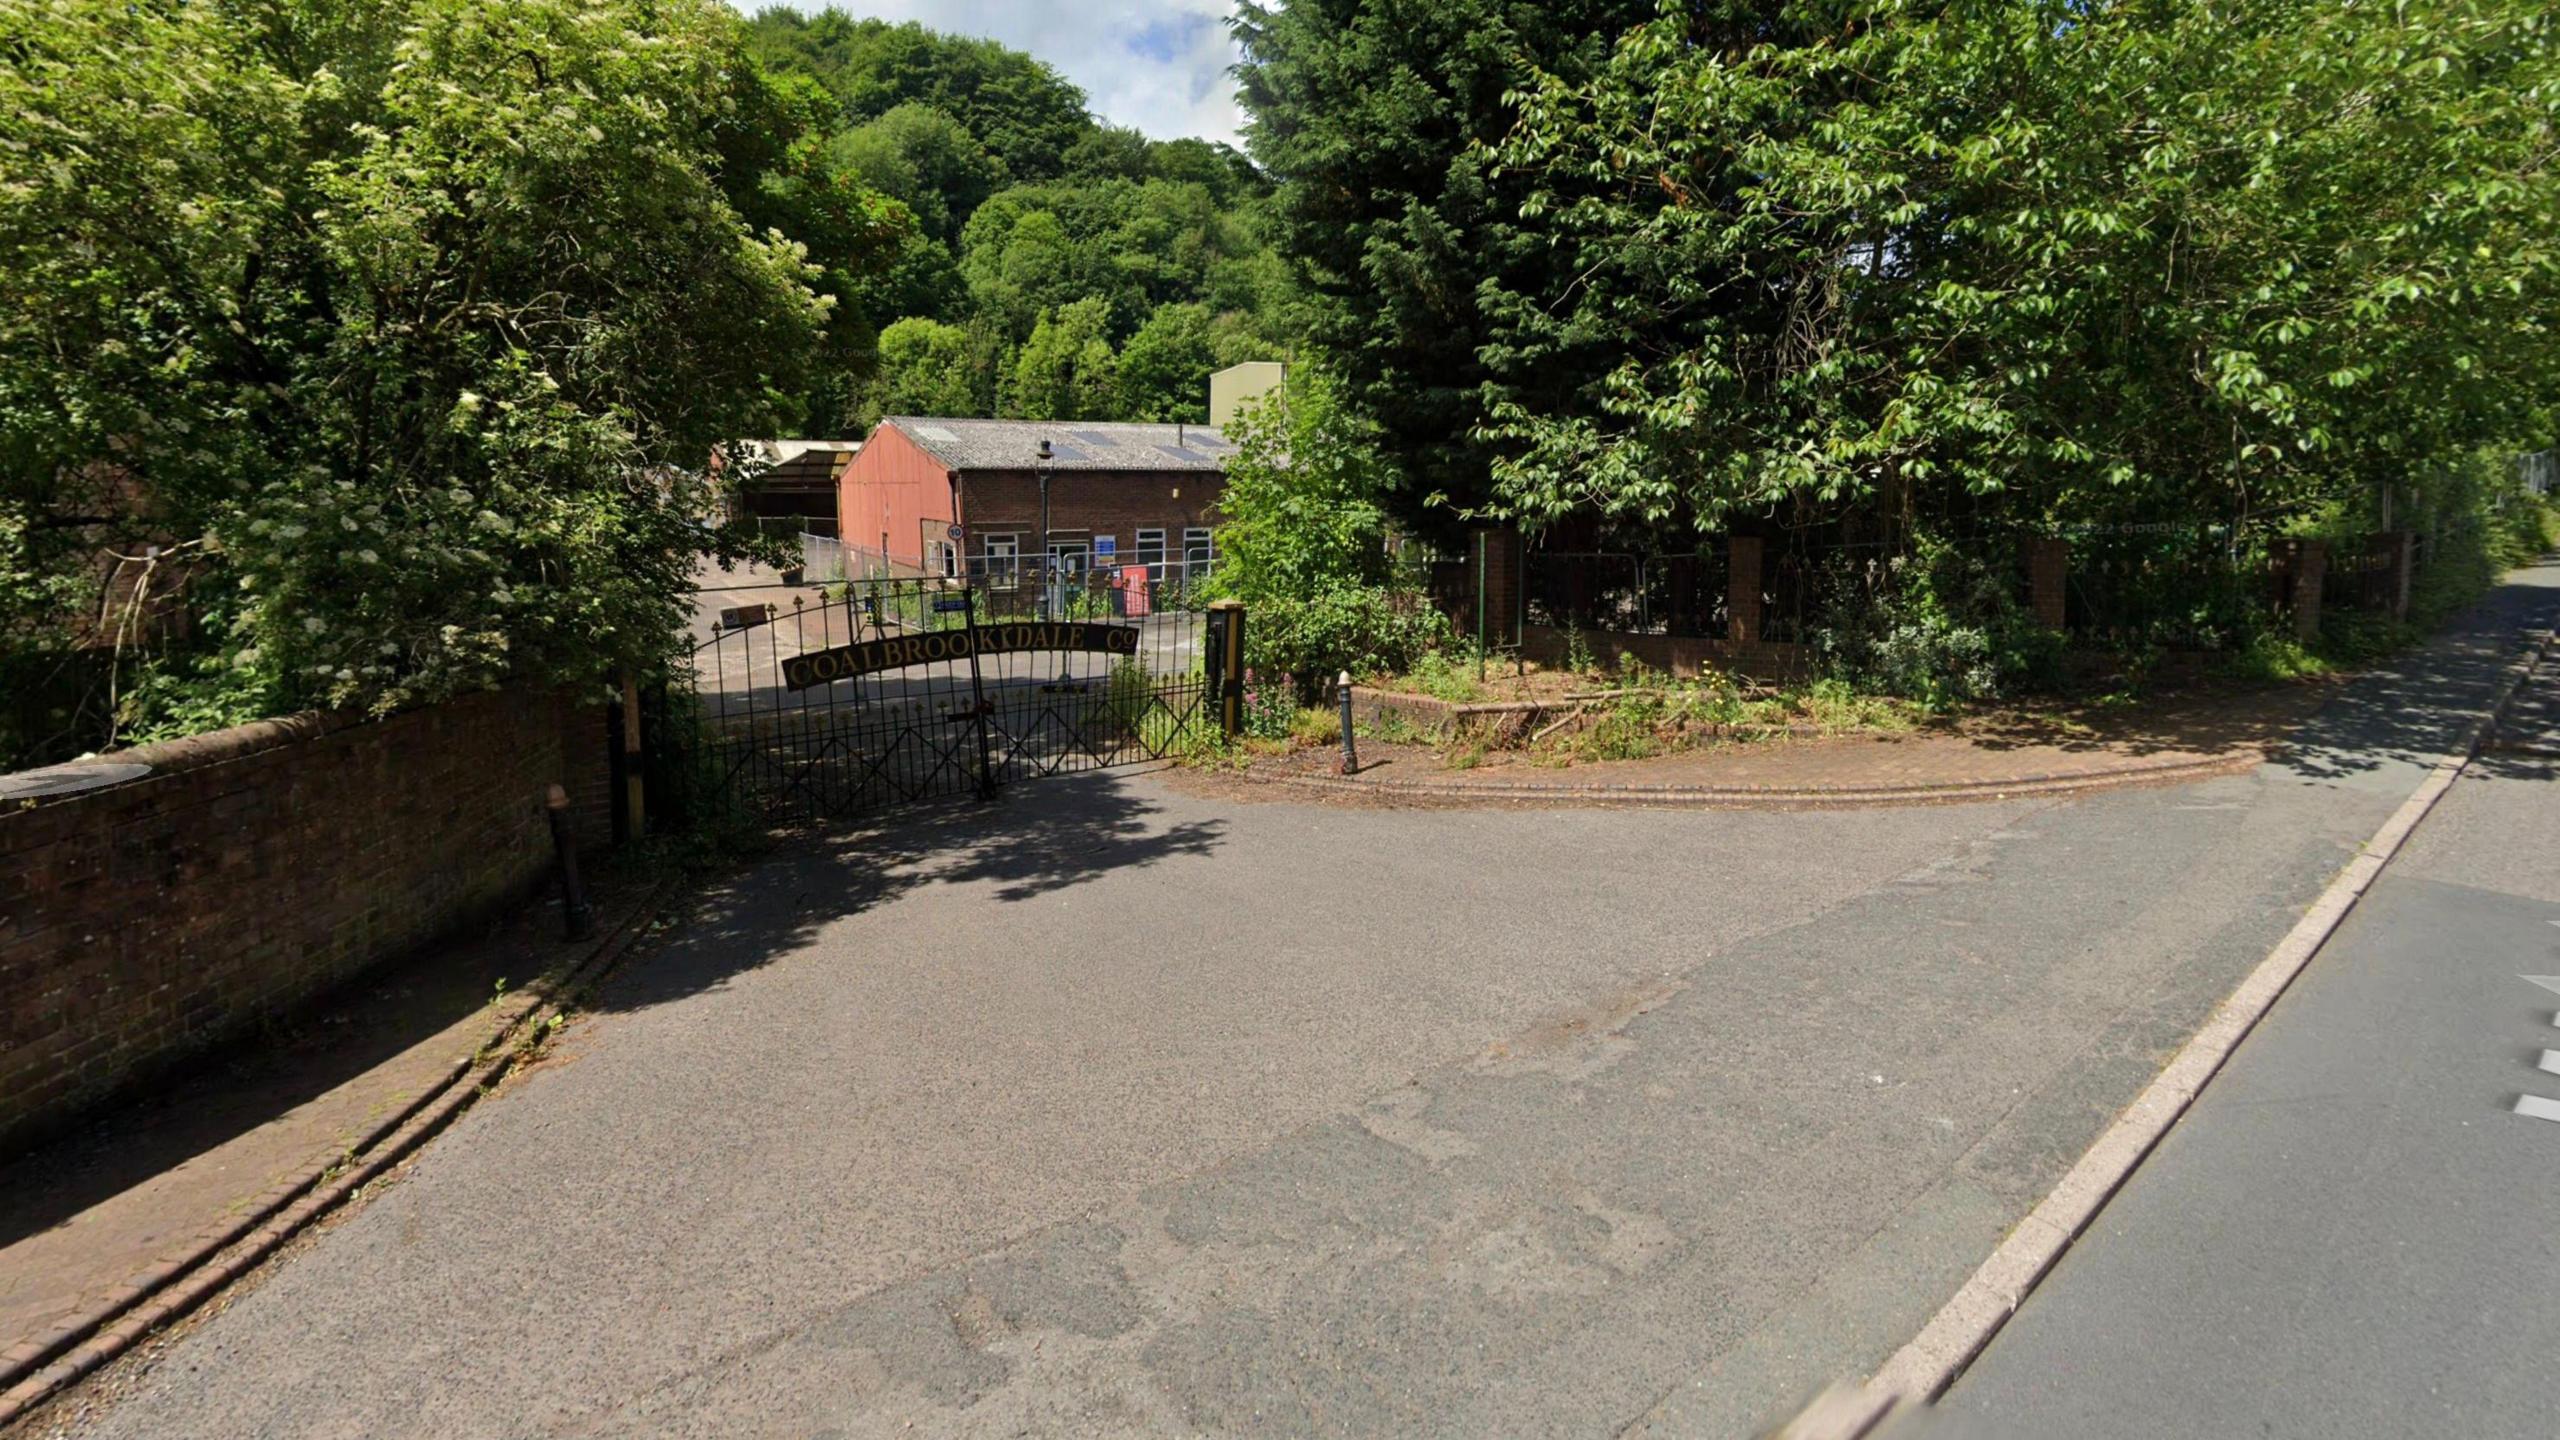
<point x="883" y="692"/>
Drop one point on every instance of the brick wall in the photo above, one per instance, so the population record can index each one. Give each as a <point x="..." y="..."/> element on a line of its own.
<point x="892" y="498"/>
<point x="1743" y="559"/>
<point x="1085" y="503"/>
<point x="254" y="869"/>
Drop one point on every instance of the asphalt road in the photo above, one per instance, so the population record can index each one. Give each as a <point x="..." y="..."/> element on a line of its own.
<point x="2352" y="1233"/>
<point x="1106" y="1110"/>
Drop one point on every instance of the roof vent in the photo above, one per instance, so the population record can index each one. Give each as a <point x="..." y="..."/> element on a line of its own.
<point x="1045" y="452"/>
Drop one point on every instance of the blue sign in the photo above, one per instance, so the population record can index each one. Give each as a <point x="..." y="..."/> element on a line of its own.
<point x="952" y="606"/>
<point x="1104" y="547"/>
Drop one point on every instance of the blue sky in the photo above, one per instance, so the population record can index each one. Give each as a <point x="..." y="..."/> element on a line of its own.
<point x="1159" y="65"/>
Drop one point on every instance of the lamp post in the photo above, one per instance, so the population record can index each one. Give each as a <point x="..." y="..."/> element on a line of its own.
<point x="1047" y="580"/>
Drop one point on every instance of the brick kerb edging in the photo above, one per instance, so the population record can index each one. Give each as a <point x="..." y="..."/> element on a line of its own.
<point x="1922" y="1369"/>
<point x="34" y="1370"/>
<point x="1786" y="796"/>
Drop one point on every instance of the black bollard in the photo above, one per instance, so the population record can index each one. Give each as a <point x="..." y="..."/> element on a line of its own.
<point x="1350" y="756"/>
<point x="580" y="915"/>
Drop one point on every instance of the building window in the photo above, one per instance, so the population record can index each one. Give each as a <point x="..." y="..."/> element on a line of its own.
<point x="1199" y="551"/>
<point x="1151" y="553"/>
<point x="1004" y="556"/>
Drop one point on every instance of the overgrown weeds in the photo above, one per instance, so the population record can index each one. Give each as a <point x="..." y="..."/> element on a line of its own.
<point x="1443" y="676"/>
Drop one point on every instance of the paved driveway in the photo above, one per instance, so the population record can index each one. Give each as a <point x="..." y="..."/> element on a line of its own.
<point x="1106" y="1110"/>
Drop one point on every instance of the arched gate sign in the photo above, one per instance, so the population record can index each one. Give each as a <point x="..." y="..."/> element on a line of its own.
<point x="858" y="697"/>
<point x="896" y="652"/>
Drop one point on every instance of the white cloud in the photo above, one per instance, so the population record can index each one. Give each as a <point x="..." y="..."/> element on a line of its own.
<point x="1160" y="65"/>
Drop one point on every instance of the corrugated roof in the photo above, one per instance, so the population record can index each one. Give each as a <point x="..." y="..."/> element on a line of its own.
<point x="1073" y="445"/>
<point x="780" y="451"/>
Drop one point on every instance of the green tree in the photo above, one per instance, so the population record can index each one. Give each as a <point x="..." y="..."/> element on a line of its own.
<point x="1164" y="369"/>
<point x="924" y="158"/>
<point x="1914" y="256"/>
<point x="1066" y="370"/>
<point x="1110" y="152"/>
<point x="926" y="368"/>
<point x="1373" y="114"/>
<point x="1032" y="266"/>
<point x="1021" y="109"/>
<point x="779" y="166"/>
<point x="402" y="332"/>
<point x="1229" y="177"/>
<point x="973" y="140"/>
<point x="1302" y="539"/>
<point x="1135" y="244"/>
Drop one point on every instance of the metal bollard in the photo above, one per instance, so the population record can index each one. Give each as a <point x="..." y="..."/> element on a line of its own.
<point x="1350" y="756"/>
<point x="573" y="893"/>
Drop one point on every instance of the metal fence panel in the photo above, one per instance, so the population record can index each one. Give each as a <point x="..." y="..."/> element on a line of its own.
<point x="741" y="735"/>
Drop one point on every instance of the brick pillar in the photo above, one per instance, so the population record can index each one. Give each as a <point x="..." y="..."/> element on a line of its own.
<point x="2402" y="546"/>
<point x="2310" y="569"/>
<point x="1683" y="589"/>
<point x="2048" y="568"/>
<point x="1742" y="587"/>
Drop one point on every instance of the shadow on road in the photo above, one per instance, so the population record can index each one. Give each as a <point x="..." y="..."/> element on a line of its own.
<point x="2211" y="720"/>
<point x="1037" y="839"/>
<point x="1032" y="841"/>
<point x="2409" y="709"/>
<point x="2418" y="706"/>
<point x="256" y="1080"/>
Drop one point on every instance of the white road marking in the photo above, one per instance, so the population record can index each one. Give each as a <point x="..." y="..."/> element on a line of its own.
<point x="2551" y="1061"/>
<point x="2547" y="982"/>
<point x="2537" y="1107"/>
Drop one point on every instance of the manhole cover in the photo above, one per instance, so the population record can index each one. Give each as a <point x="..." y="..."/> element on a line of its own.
<point x="68" y="779"/>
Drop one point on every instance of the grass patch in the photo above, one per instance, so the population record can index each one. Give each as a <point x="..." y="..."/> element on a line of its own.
<point x="1204" y="747"/>
<point x="1833" y="705"/>
<point x="2271" y="659"/>
<point x="1672" y="716"/>
<point x="1440" y="675"/>
<point x="1315" y="725"/>
<point x="1630" y="729"/>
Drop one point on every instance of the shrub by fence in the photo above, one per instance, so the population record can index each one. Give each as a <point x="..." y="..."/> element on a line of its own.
<point x="1792" y="603"/>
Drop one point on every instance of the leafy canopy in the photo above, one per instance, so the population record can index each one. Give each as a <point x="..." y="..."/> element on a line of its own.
<point x="1373" y="115"/>
<point x="1023" y="204"/>
<point x="1302" y="539"/>
<point x="2074" y="260"/>
<point x="393" y="338"/>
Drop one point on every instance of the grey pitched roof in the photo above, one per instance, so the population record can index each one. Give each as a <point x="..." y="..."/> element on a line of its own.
<point x="1073" y="444"/>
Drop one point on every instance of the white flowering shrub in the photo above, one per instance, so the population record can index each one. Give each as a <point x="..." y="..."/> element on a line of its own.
<point x="399" y="338"/>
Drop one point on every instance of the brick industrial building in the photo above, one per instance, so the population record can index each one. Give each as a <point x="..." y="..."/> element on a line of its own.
<point x="946" y="497"/>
